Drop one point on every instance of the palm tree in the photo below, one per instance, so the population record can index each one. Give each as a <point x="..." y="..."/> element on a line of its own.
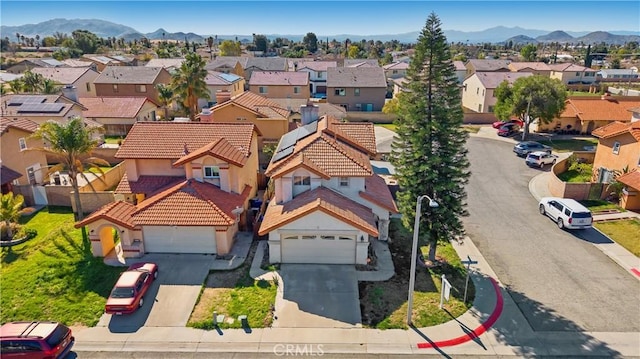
<point x="165" y="95"/>
<point x="32" y="82"/>
<point x="49" y="87"/>
<point x="10" y="210"/>
<point x="188" y="83"/>
<point x="71" y="144"/>
<point x="15" y="85"/>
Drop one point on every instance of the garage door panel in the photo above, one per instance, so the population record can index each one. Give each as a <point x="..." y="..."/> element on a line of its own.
<point x="167" y="239"/>
<point x="321" y="251"/>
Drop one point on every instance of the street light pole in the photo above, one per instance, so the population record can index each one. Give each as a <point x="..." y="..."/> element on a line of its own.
<point x="414" y="252"/>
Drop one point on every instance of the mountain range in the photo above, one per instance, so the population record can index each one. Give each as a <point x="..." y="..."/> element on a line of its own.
<point x="499" y="34"/>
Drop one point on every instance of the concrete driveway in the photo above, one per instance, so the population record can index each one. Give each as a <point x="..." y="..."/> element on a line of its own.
<point x="318" y="296"/>
<point x="171" y="298"/>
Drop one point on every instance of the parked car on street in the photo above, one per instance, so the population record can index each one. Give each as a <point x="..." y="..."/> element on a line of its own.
<point x="524" y="148"/>
<point x="35" y="340"/>
<point x="540" y="159"/>
<point x="499" y="124"/>
<point x="566" y="212"/>
<point x="508" y="129"/>
<point x="128" y="293"/>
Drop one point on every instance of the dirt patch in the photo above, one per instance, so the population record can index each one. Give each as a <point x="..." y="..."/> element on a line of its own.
<point x="230" y="278"/>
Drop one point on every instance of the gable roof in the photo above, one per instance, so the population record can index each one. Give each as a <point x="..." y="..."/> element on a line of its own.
<point x="113" y="107"/>
<point x="162" y="140"/>
<point x="147" y="185"/>
<point x="7" y="175"/>
<point x="129" y="75"/>
<point x="570" y="68"/>
<point x="78" y="63"/>
<point x="257" y="104"/>
<point x="316" y="65"/>
<point x="459" y="65"/>
<point x="488" y="65"/>
<point x="324" y="108"/>
<point x="165" y="63"/>
<point x="631" y="179"/>
<point x="535" y="66"/>
<point x="18" y="123"/>
<point x="356" y="77"/>
<point x="377" y="192"/>
<point x="618" y="128"/>
<point x="215" y="78"/>
<point x="491" y="80"/>
<point x="226" y="61"/>
<point x="220" y="148"/>
<point x="607" y="108"/>
<point x="323" y="200"/>
<point x="281" y="78"/>
<point x="63" y="75"/>
<point x="267" y="63"/>
<point x="119" y="212"/>
<point x="398" y="65"/>
<point x="37" y="105"/>
<point x="41" y="62"/>
<point x="361" y="63"/>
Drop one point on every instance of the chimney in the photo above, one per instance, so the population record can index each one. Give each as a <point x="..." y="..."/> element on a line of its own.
<point x="310" y="113"/>
<point x="206" y="115"/>
<point x="222" y="96"/>
<point x="69" y="91"/>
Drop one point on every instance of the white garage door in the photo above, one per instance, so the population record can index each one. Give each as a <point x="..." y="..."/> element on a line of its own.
<point x="167" y="239"/>
<point x="322" y="249"/>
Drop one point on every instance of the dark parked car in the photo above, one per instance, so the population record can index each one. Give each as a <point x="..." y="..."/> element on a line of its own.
<point x="508" y="129"/>
<point x="524" y="148"/>
<point x="35" y="340"/>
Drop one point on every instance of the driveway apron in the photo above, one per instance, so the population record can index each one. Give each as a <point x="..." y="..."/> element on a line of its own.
<point x="318" y="296"/>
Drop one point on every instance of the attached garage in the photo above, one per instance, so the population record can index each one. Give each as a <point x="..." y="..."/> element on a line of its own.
<point x="179" y="239"/>
<point x="323" y="249"/>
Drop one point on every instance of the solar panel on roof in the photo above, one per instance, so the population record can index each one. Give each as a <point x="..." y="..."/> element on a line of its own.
<point x="22" y="99"/>
<point x="306" y="130"/>
<point x="288" y="140"/>
<point x="41" y="108"/>
<point x="53" y="62"/>
<point x="229" y="77"/>
<point x="282" y="154"/>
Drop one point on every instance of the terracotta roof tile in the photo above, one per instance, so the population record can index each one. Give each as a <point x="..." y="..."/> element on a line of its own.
<point x="221" y="148"/>
<point x="168" y="140"/>
<point x="190" y="203"/>
<point x="7" y="174"/>
<point x="118" y="212"/>
<point x="618" y="128"/>
<point x="377" y="191"/>
<point x="631" y="179"/>
<point x="147" y="185"/>
<point x="256" y="103"/>
<point x="113" y="107"/>
<point x="598" y="109"/>
<point x="361" y="134"/>
<point x="19" y="123"/>
<point x="279" y="78"/>
<point x="319" y="199"/>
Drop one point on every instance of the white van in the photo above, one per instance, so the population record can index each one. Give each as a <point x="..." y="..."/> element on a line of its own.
<point x="566" y="212"/>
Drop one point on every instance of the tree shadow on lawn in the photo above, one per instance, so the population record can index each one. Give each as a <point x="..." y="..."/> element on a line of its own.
<point x="11" y="254"/>
<point x="67" y="246"/>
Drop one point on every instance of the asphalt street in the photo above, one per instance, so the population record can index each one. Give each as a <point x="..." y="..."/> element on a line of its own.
<point x="559" y="280"/>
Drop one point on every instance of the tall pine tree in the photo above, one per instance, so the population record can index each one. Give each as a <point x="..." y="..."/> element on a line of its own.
<point x="429" y="154"/>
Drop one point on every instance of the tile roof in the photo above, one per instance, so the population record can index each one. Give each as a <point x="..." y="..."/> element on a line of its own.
<point x="101" y="59"/>
<point x="31" y="105"/>
<point x="190" y="203"/>
<point x="631" y="179"/>
<point x="398" y="65"/>
<point x="19" y="123"/>
<point x="258" y="104"/>
<point x="618" y="128"/>
<point x="361" y="63"/>
<point x="44" y="62"/>
<point x="128" y="75"/>
<point x="112" y="107"/>
<point x="147" y="185"/>
<point x="459" y="65"/>
<point x="570" y="68"/>
<point x="319" y="199"/>
<point x="226" y="61"/>
<point x="7" y="175"/>
<point x="377" y="192"/>
<point x="119" y="212"/>
<point x="267" y="63"/>
<point x="356" y="77"/>
<point x="62" y="75"/>
<point x="488" y="65"/>
<point x="326" y="152"/>
<point x="316" y="65"/>
<point x="360" y="134"/>
<point x="168" y="140"/>
<point x="77" y="63"/>
<point x="220" y="148"/>
<point x="166" y="63"/>
<point x="280" y="78"/>
<point x="324" y="108"/>
<point x="536" y="66"/>
<point x="491" y="80"/>
<point x="608" y="108"/>
<point x="215" y="78"/>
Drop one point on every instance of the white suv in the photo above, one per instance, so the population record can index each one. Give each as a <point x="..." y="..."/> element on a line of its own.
<point x="540" y="159"/>
<point x="566" y="212"/>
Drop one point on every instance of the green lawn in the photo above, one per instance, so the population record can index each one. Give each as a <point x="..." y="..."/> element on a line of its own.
<point x="388" y="126"/>
<point x="624" y="232"/>
<point x="472" y="128"/>
<point x="54" y="275"/>
<point x="570" y="145"/>
<point x="599" y="206"/>
<point x="114" y="140"/>
<point x="104" y="169"/>
<point x="583" y="93"/>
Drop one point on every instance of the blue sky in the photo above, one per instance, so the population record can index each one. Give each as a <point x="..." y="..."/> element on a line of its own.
<point x="324" y="17"/>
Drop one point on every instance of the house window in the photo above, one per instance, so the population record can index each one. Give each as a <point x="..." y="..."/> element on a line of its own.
<point x="395" y="72"/>
<point x="211" y="172"/>
<point x="141" y="88"/>
<point x="358" y="107"/>
<point x="577" y="74"/>
<point x="88" y="84"/>
<point x="296" y="89"/>
<point x="344" y="181"/>
<point x="115" y="87"/>
<point x="479" y="108"/>
<point x="301" y="180"/>
<point x="262" y="89"/>
<point x="478" y="91"/>
<point x="356" y="91"/>
<point x="23" y="143"/>
<point x="319" y="75"/>
<point x="491" y="109"/>
<point x="340" y="92"/>
<point x="616" y="147"/>
<point x="482" y="92"/>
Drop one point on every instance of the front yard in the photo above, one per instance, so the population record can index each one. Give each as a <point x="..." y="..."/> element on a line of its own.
<point x="54" y="276"/>
<point x="570" y="145"/>
<point x="624" y="232"/>
<point x="384" y="304"/>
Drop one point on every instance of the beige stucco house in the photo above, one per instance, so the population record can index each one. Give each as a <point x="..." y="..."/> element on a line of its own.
<point x="16" y="141"/>
<point x="79" y="77"/>
<point x="280" y="84"/>
<point x="572" y="74"/>
<point x="317" y="73"/>
<point x="478" y="89"/>
<point x="186" y="190"/>
<point x="536" y="68"/>
<point x="118" y="114"/>
<point x="395" y="70"/>
<point x="328" y="202"/>
<point x="218" y="82"/>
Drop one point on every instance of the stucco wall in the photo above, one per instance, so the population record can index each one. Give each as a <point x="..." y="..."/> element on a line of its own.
<point x="18" y="160"/>
<point x="276" y="91"/>
<point x="372" y="95"/>
<point x="628" y="155"/>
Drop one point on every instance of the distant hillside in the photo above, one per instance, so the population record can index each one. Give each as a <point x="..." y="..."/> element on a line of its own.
<point x="493" y="35"/>
<point x="521" y="40"/>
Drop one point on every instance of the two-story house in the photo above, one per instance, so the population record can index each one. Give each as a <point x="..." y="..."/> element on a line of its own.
<point x="245" y="66"/>
<point x="360" y="63"/>
<point x="572" y="74"/>
<point x="486" y="65"/>
<point x="229" y="84"/>
<point x="127" y="81"/>
<point x="101" y="62"/>
<point x="186" y="189"/>
<point x="317" y="74"/>
<point x="79" y="77"/>
<point x="280" y="84"/>
<point x="328" y="202"/>
<point x="536" y="68"/>
<point x="170" y="65"/>
<point x="118" y="114"/>
<point x="461" y="71"/>
<point x="357" y="88"/>
<point x="395" y="70"/>
<point x="16" y="142"/>
<point x="478" y="89"/>
<point x="30" y="64"/>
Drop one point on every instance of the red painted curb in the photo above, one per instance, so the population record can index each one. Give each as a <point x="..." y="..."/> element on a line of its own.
<point x="635" y="271"/>
<point x="476" y="332"/>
